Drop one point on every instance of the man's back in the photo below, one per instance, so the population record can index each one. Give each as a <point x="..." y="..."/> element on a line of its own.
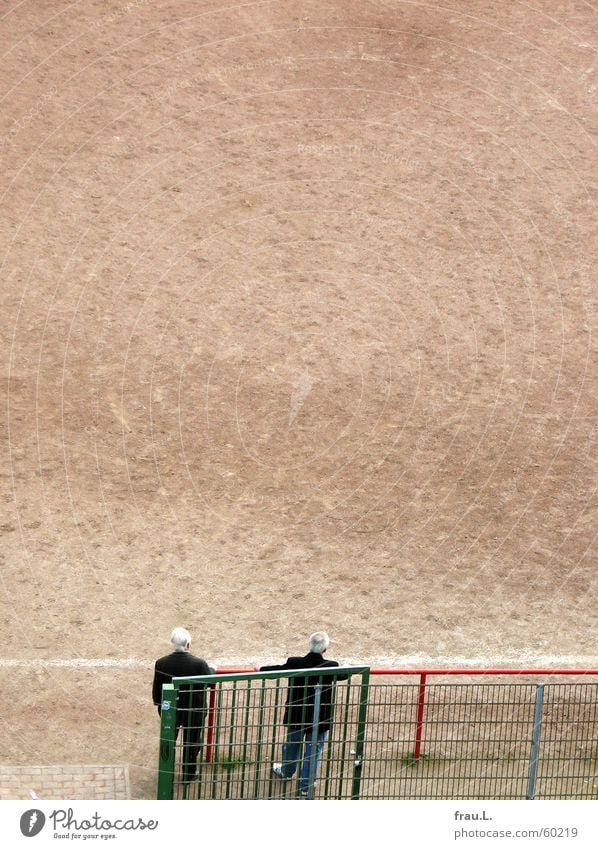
<point x="180" y="664"/>
<point x="301" y="692"/>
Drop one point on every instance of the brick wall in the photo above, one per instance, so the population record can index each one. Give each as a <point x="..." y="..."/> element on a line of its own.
<point x="64" y="782"/>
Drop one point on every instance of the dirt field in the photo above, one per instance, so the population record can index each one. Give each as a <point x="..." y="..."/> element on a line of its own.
<point x="297" y="319"/>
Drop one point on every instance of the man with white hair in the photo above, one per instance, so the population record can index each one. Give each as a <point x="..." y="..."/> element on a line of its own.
<point x="299" y="711"/>
<point x="191" y="704"/>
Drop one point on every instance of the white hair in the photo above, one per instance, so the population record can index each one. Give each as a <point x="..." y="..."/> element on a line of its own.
<point x="180" y="639"/>
<point x="319" y="642"/>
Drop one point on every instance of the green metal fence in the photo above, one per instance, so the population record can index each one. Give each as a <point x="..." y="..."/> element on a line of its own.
<point x="472" y="741"/>
<point x="568" y="746"/>
<point x="248" y="731"/>
<point x="476" y="741"/>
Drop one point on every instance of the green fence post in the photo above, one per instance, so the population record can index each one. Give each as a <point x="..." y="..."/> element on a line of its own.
<point x="245" y="749"/>
<point x="344" y="742"/>
<point x="314" y="740"/>
<point x="533" y="761"/>
<point x="361" y="720"/>
<point x="260" y="737"/>
<point x="215" y="766"/>
<point x="167" y="742"/>
<point x="231" y="740"/>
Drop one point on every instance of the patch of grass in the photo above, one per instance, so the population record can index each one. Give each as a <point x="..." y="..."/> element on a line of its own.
<point x="230" y="761"/>
<point x="410" y="760"/>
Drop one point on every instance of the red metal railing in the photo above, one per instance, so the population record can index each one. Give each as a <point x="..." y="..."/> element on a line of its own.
<point x="421" y="699"/>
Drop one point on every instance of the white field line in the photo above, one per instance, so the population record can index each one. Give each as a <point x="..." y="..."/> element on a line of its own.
<point x="419" y="661"/>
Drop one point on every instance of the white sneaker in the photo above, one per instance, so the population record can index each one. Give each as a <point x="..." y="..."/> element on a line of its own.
<point x="277" y="770"/>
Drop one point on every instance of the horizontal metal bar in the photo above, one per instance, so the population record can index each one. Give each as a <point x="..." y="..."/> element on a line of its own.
<point x="466" y="671"/>
<point x="253" y="675"/>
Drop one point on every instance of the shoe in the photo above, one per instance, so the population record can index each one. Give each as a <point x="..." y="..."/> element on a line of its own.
<point x="187" y="779"/>
<point x="277" y="770"/>
<point x="305" y="793"/>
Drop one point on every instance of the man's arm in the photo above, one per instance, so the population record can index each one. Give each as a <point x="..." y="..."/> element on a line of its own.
<point x="342" y="677"/>
<point x="208" y="670"/>
<point x="157" y="687"/>
<point x="288" y="664"/>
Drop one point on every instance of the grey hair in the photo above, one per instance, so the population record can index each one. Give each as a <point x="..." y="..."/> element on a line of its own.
<point x="319" y="642"/>
<point x="180" y="639"/>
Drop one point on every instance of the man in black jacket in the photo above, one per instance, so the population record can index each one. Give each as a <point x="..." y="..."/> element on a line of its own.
<point x="191" y="703"/>
<point x="299" y="711"/>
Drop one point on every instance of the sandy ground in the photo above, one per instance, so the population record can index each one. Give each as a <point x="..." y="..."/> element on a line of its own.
<point x="297" y="319"/>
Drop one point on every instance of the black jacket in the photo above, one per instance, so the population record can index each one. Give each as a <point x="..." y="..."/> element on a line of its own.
<point x="299" y="708"/>
<point x="176" y="665"/>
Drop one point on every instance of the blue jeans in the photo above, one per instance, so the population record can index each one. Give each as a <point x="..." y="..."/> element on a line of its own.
<point x="291" y="752"/>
